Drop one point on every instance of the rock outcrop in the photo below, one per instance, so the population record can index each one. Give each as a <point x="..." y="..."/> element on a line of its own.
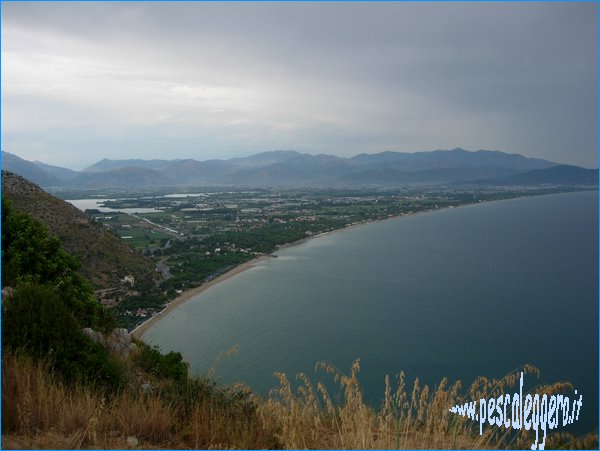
<point x="118" y="341"/>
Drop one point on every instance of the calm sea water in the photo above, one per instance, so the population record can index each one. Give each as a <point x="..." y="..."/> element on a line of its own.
<point x="476" y="290"/>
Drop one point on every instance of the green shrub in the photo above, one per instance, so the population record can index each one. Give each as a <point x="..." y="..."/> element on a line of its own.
<point x="31" y="255"/>
<point x="36" y="321"/>
<point x="163" y="366"/>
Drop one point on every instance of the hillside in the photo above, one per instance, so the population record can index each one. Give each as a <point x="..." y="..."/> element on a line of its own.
<point x="123" y="177"/>
<point x="556" y="175"/>
<point x="455" y="158"/>
<point x="29" y="170"/>
<point x="105" y="259"/>
<point x="396" y="177"/>
<point x="108" y="165"/>
<point x="62" y="174"/>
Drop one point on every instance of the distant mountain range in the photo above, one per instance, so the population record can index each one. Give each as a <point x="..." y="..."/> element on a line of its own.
<point x="291" y="168"/>
<point x="556" y="175"/>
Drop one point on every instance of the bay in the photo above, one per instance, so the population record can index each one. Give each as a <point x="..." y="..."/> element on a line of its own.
<point x="463" y="292"/>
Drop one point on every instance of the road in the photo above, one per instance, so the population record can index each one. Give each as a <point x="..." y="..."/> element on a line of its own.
<point x="158" y="225"/>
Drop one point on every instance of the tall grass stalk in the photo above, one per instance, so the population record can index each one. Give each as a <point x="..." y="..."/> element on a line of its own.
<point x="40" y="411"/>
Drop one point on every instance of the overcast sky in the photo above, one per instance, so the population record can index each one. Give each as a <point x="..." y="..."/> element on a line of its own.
<point x="85" y="81"/>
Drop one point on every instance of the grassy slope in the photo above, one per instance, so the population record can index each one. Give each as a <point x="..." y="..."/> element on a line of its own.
<point x="105" y="259"/>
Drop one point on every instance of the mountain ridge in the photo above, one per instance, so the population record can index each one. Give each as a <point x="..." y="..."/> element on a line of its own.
<point x="29" y="170"/>
<point x="289" y="168"/>
<point x="562" y="174"/>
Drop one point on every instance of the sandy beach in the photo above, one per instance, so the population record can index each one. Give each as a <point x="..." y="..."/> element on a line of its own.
<point x="139" y="331"/>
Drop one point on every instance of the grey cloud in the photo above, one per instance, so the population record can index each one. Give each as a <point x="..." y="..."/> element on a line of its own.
<point x="350" y="77"/>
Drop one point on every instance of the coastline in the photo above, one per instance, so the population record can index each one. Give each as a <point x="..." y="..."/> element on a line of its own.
<point x="139" y="331"/>
<point x="358" y="224"/>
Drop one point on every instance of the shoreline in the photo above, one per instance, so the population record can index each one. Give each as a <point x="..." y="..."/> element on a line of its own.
<point x="186" y="295"/>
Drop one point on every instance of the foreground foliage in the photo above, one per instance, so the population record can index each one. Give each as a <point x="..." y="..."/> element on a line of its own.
<point x="48" y="304"/>
<point x="41" y="411"/>
<point x="36" y="322"/>
<point x="31" y="256"/>
<point x="162" y="366"/>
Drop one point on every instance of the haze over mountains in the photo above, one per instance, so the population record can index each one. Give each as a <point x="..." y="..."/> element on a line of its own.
<point x="291" y="168"/>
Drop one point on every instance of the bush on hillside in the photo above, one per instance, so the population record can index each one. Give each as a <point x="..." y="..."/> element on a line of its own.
<point x="31" y="255"/>
<point x="163" y="366"/>
<point x="36" y="321"/>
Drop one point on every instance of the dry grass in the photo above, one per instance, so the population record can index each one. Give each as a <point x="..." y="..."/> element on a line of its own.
<point x="309" y="418"/>
<point x="419" y="420"/>
<point x="34" y="403"/>
<point x="39" y="411"/>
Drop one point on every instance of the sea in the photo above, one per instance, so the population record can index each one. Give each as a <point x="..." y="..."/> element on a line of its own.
<point x="460" y="292"/>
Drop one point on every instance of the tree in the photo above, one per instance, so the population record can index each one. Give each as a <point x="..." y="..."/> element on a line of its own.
<point x="30" y="255"/>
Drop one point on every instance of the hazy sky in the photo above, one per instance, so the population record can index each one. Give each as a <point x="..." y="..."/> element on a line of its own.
<point x="85" y="81"/>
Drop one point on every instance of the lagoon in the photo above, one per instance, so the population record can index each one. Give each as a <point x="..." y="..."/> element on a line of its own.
<point x="94" y="204"/>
